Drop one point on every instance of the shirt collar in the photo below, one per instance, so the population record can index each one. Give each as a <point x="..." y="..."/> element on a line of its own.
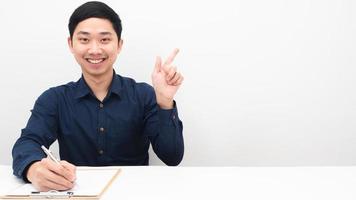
<point x="116" y="85"/>
<point x="83" y="89"/>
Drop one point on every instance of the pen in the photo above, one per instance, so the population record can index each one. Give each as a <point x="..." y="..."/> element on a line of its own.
<point x="49" y="154"/>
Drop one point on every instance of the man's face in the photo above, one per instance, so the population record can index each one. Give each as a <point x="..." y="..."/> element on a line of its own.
<point x="95" y="46"/>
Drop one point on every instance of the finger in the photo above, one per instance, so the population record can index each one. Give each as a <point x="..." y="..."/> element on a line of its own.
<point x="69" y="166"/>
<point x="41" y="188"/>
<point x="158" y="64"/>
<point x="57" y="180"/>
<point x="58" y="169"/>
<point x="179" y="81"/>
<point x="171" y="57"/>
<point x="45" y="175"/>
<point x="166" y="68"/>
<point x="174" y="79"/>
<point x="55" y="186"/>
<point x="171" y="72"/>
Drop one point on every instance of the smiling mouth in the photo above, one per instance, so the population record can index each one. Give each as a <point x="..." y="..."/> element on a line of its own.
<point x="95" y="61"/>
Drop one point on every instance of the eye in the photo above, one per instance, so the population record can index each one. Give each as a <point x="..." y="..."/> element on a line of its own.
<point x="84" y="40"/>
<point x="105" y="40"/>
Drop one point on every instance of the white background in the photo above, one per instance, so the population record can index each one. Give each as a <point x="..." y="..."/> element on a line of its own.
<point x="266" y="82"/>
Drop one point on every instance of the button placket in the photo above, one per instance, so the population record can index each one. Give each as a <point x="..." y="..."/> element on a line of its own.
<point x="101" y="129"/>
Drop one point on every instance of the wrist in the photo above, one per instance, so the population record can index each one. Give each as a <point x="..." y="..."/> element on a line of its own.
<point x="165" y="103"/>
<point x="30" y="170"/>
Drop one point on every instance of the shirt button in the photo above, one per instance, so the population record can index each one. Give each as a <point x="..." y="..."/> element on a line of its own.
<point x="102" y="129"/>
<point x="101" y="152"/>
<point x="101" y="105"/>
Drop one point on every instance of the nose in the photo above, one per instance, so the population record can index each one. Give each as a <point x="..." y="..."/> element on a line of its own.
<point x="95" y="48"/>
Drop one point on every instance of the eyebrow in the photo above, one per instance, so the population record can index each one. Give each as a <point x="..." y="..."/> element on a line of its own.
<point x="87" y="33"/>
<point x="83" y="33"/>
<point x="105" y="33"/>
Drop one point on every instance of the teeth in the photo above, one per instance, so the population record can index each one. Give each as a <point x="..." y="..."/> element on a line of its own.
<point x="95" y="61"/>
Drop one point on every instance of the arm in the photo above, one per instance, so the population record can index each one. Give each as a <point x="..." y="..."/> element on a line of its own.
<point x="164" y="129"/>
<point x="161" y="114"/>
<point x="29" y="162"/>
<point x="40" y="130"/>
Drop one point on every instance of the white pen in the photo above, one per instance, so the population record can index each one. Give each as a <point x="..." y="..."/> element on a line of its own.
<point x="50" y="155"/>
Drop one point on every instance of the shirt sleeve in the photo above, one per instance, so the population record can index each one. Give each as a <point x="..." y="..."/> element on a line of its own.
<point x="40" y="130"/>
<point x="164" y="129"/>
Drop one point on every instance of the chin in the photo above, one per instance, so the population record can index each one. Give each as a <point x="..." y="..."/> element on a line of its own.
<point x="97" y="71"/>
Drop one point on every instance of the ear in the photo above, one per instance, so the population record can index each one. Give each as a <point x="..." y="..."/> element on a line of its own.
<point x="121" y="42"/>
<point x="70" y="44"/>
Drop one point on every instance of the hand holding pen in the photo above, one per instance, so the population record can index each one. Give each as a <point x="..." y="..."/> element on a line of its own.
<point x="51" y="174"/>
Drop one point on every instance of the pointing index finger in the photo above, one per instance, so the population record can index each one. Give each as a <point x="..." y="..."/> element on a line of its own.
<point x="172" y="56"/>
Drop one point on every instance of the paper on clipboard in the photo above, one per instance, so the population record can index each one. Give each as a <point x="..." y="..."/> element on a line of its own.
<point x="91" y="181"/>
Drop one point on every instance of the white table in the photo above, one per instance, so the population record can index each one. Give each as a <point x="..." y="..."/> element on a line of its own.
<point x="247" y="183"/>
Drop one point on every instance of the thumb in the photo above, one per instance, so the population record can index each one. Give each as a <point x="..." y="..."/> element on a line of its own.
<point x="158" y="64"/>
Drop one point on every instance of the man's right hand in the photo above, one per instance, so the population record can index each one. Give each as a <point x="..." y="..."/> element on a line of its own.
<point x="47" y="175"/>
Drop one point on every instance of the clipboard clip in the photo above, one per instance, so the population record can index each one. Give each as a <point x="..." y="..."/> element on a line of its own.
<point x="52" y="194"/>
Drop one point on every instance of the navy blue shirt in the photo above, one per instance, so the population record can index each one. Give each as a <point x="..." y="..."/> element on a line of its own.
<point x="116" y="131"/>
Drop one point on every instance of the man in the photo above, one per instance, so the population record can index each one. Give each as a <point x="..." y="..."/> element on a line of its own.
<point x="103" y="118"/>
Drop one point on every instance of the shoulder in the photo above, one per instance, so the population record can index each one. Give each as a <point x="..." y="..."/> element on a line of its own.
<point x="139" y="87"/>
<point x="55" y="92"/>
<point x="142" y="91"/>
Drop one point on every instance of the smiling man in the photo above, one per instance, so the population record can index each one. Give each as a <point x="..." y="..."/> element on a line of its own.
<point x="102" y="119"/>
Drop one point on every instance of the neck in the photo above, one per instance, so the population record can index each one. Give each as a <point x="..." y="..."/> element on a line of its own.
<point x="99" y="84"/>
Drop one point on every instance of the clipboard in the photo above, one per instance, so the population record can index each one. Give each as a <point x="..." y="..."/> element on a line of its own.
<point x="84" y="189"/>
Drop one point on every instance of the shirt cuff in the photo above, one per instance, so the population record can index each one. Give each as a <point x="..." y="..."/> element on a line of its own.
<point x="169" y="117"/>
<point x="21" y="172"/>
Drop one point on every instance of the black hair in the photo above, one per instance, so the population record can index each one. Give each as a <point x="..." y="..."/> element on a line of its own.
<point x="94" y="9"/>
